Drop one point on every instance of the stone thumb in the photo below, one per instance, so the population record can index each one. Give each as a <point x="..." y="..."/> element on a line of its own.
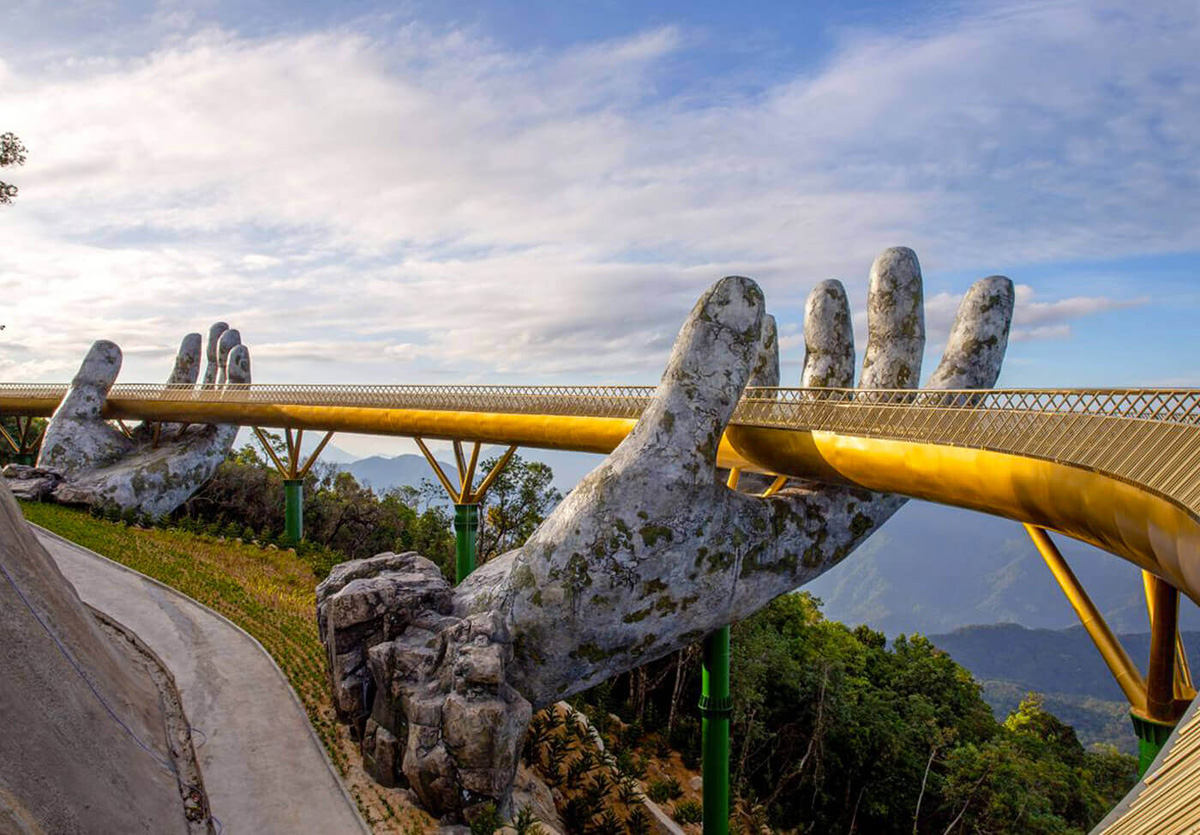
<point x="714" y="354"/>
<point x="89" y="389"/>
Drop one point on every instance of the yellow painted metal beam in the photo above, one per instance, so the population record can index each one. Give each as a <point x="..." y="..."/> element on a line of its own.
<point x="456" y="496"/>
<point x="12" y="442"/>
<point x="488" y="480"/>
<point x="460" y="463"/>
<point x="468" y="478"/>
<point x="266" y="445"/>
<point x="1145" y="524"/>
<point x="312" y="459"/>
<point x="775" y="486"/>
<point x="1120" y="517"/>
<point x="1128" y="677"/>
<point x="1160" y="670"/>
<point x="1184" y="689"/>
<point x="735" y="477"/>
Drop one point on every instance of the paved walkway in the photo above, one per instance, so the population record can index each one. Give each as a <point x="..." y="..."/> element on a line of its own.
<point x="264" y="768"/>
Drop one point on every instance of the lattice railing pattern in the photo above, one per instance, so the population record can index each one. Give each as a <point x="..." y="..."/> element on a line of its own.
<point x="1145" y="436"/>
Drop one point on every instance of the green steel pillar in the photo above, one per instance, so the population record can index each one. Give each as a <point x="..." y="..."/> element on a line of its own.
<point x="27" y="458"/>
<point x="293" y="509"/>
<point x="1152" y="736"/>
<point x="466" y="524"/>
<point x="715" y="708"/>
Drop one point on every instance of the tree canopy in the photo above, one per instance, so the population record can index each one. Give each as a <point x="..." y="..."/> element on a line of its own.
<point x="12" y="152"/>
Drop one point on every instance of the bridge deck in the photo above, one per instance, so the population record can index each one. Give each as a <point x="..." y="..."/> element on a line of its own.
<point x="1114" y="467"/>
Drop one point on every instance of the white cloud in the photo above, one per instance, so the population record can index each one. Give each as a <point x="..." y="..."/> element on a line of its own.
<point x="1032" y="320"/>
<point x="409" y="205"/>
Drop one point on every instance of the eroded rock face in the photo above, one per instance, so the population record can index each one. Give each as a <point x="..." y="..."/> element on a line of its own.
<point x="35" y="484"/>
<point x="86" y="461"/>
<point x="426" y="692"/>
<point x="649" y="553"/>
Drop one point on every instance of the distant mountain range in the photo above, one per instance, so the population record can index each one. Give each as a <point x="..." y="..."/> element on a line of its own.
<point x="384" y="473"/>
<point x="1063" y="665"/>
<point x="933" y="569"/>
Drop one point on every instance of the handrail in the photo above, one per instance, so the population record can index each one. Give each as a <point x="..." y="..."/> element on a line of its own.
<point x="1146" y="439"/>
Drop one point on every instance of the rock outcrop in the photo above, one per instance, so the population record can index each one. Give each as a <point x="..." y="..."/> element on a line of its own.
<point x="425" y="691"/>
<point x="649" y="553"/>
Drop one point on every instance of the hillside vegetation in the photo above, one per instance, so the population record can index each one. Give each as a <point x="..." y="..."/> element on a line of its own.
<point x="1063" y="665"/>
<point x="834" y="729"/>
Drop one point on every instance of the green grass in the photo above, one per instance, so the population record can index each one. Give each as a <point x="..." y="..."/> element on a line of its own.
<point x="269" y="593"/>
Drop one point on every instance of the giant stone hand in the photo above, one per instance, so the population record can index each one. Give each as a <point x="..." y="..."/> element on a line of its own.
<point x="152" y="470"/>
<point x="650" y="552"/>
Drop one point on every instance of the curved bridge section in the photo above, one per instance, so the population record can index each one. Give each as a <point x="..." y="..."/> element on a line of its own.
<point x="1116" y="468"/>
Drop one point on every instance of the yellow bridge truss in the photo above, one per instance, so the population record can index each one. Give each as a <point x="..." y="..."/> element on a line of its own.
<point x="1117" y="468"/>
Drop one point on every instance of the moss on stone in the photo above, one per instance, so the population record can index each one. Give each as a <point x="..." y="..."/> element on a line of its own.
<point x="651" y="534"/>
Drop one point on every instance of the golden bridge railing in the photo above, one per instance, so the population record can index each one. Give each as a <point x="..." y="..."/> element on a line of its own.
<point x="1146" y="437"/>
<point x="1142" y="436"/>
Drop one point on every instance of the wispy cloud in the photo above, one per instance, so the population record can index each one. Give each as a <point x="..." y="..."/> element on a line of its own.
<point x="409" y="204"/>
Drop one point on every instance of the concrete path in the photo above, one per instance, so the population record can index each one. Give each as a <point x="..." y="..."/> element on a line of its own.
<point x="264" y="768"/>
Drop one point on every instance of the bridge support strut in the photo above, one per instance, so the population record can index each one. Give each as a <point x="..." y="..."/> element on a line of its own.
<point x="466" y="498"/>
<point x="1157" y="701"/>
<point x="25" y="442"/>
<point x="715" y="709"/>
<point x="294" y="473"/>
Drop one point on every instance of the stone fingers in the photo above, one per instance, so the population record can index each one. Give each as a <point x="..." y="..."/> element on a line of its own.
<point x="719" y="345"/>
<point x="828" y="338"/>
<point x="979" y="337"/>
<point x="238" y="366"/>
<point x="187" y="362"/>
<point x="214" y="337"/>
<point x="229" y="340"/>
<point x="766" y="368"/>
<point x="90" y="386"/>
<point x="895" y="322"/>
<point x="77" y="437"/>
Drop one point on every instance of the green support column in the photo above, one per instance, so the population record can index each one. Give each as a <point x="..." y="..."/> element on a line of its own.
<point x="715" y="708"/>
<point x="466" y="524"/>
<point x="293" y="509"/>
<point x="1152" y="736"/>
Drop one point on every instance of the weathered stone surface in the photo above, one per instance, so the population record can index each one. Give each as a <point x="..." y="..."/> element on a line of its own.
<point x="442" y="716"/>
<point x="70" y="762"/>
<point x="649" y="552"/>
<point x="828" y="338"/>
<point x="895" y="322"/>
<point x="145" y="474"/>
<point x="31" y="483"/>
<point x="979" y="336"/>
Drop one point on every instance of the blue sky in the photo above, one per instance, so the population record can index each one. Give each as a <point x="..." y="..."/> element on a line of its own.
<point x="537" y="192"/>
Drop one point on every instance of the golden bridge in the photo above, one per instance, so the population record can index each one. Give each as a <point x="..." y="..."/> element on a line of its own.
<point x="1116" y="468"/>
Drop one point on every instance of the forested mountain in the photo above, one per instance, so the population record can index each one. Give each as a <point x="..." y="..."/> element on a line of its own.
<point x="932" y="569"/>
<point x="1062" y="664"/>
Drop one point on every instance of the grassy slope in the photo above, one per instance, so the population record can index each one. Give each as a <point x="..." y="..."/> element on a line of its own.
<point x="269" y="593"/>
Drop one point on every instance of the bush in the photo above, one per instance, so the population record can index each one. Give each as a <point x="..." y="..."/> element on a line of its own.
<point x="688" y="811"/>
<point x="526" y="823"/>
<point x="486" y="821"/>
<point x="663" y="790"/>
